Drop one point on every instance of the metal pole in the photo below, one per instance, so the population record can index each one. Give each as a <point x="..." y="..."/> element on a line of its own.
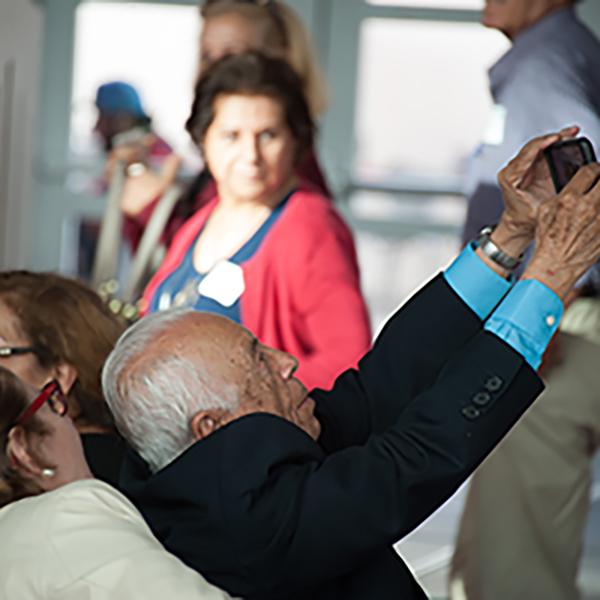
<point x="106" y="259"/>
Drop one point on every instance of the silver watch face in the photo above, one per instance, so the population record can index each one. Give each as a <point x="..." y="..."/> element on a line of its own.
<point x="494" y="253"/>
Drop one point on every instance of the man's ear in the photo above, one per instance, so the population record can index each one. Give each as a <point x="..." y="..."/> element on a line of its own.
<point x="206" y="422"/>
<point x="66" y="375"/>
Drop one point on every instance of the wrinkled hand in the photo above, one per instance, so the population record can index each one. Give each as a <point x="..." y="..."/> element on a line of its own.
<point x="526" y="184"/>
<point x="568" y="233"/>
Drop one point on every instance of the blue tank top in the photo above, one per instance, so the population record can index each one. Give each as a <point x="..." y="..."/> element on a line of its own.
<point x="181" y="287"/>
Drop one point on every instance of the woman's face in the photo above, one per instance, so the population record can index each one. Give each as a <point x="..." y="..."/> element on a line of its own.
<point x="52" y="458"/>
<point x="25" y="366"/>
<point x="230" y="33"/>
<point x="249" y="148"/>
<point x="513" y="16"/>
<point x="60" y="447"/>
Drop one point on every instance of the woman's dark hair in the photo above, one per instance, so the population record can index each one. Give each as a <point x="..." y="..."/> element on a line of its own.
<point x="13" y="401"/>
<point x="187" y="204"/>
<point x="252" y="74"/>
<point x="66" y="322"/>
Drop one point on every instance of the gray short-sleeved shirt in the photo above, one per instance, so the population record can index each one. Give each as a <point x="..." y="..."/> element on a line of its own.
<point x="549" y="79"/>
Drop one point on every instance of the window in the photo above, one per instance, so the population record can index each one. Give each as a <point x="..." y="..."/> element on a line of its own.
<point x="152" y="46"/>
<point x="422" y="100"/>
<point x="421" y="107"/>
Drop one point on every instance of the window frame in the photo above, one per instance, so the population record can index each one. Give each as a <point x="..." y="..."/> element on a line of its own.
<point x="338" y="130"/>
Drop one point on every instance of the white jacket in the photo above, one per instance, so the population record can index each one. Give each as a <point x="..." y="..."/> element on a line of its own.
<point x="86" y="541"/>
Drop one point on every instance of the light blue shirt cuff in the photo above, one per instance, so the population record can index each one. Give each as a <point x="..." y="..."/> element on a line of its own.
<point x="527" y="319"/>
<point x="478" y="286"/>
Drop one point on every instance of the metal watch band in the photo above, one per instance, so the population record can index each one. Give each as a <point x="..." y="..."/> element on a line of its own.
<point x="493" y="252"/>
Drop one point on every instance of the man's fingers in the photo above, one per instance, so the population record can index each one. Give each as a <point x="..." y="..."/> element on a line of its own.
<point x="518" y="166"/>
<point x="532" y="147"/>
<point x="583" y="181"/>
<point x="569" y="132"/>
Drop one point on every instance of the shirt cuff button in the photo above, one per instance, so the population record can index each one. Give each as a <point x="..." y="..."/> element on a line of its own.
<point x="550" y="320"/>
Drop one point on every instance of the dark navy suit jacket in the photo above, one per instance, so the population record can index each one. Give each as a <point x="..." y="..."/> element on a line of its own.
<point x="263" y="511"/>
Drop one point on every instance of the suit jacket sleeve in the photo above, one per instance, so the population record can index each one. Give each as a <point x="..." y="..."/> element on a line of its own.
<point x="405" y="360"/>
<point x="316" y="518"/>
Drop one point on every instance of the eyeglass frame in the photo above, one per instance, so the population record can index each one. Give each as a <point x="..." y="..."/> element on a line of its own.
<point x="45" y="395"/>
<point x="8" y="351"/>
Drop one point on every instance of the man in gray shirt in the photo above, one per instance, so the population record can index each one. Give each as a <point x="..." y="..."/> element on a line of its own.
<point x="549" y="79"/>
<point x="521" y="532"/>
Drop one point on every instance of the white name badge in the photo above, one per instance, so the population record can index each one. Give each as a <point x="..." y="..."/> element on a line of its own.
<point x="224" y="283"/>
<point x="493" y="134"/>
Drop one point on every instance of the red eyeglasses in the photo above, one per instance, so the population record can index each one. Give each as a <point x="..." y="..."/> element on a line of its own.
<point x="50" y="393"/>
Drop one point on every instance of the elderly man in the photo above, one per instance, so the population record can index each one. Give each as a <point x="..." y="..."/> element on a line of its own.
<point x="548" y="79"/>
<point x="273" y="493"/>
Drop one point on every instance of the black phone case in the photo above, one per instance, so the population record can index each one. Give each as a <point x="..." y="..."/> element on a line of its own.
<point x="587" y="153"/>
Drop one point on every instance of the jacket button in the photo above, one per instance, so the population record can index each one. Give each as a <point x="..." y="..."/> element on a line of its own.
<point x="493" y="384"/>
<point x="481" y="398"/>
<point x="470" y="412"/>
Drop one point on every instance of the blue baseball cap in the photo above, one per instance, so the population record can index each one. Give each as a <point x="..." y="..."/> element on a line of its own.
<point x="118" y="96"/>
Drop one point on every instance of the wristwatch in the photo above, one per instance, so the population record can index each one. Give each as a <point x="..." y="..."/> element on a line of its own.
<point x="493" y="252"/>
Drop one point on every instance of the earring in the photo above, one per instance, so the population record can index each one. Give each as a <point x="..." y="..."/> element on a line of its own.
<point x="48" y="473"/>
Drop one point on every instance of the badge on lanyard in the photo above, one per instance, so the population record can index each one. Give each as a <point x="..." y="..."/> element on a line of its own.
<point x="224" y="283"/>
<point x="493" y="134"/>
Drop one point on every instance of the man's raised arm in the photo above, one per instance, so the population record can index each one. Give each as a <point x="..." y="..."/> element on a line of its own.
<point x="361" y="498"/>
<point x="442" y="317"/>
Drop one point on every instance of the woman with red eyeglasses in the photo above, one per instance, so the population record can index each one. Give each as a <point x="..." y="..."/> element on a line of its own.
<point x="52" y="327"/>
<point x="65" y="534"/>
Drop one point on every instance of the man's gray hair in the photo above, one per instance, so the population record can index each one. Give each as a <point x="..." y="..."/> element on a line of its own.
<point x="154" y="396"/>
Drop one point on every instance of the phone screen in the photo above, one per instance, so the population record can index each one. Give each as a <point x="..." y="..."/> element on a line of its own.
<point x="566" y="158"/>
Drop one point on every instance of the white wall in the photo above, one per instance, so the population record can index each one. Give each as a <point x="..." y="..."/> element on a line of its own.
<point x="21" y="32"/>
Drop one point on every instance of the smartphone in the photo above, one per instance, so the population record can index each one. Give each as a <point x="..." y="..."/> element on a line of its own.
<point x="566" y="158"/>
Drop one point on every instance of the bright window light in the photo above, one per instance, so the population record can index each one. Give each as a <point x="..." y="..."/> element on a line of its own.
<point x="152" y="46"/>
<point x="422" y="96"/>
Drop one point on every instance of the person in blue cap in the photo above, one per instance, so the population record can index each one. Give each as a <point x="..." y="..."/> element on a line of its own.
<point x="127" y="135"/>
<point x="119" y="110"/>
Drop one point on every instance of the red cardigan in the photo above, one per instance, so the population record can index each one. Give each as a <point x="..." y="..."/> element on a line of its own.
<point x="302" y="286"/>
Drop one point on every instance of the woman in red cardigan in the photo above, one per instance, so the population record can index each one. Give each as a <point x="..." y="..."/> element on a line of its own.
<point x="268" y="251"/>
<point x="228" y="27"/>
